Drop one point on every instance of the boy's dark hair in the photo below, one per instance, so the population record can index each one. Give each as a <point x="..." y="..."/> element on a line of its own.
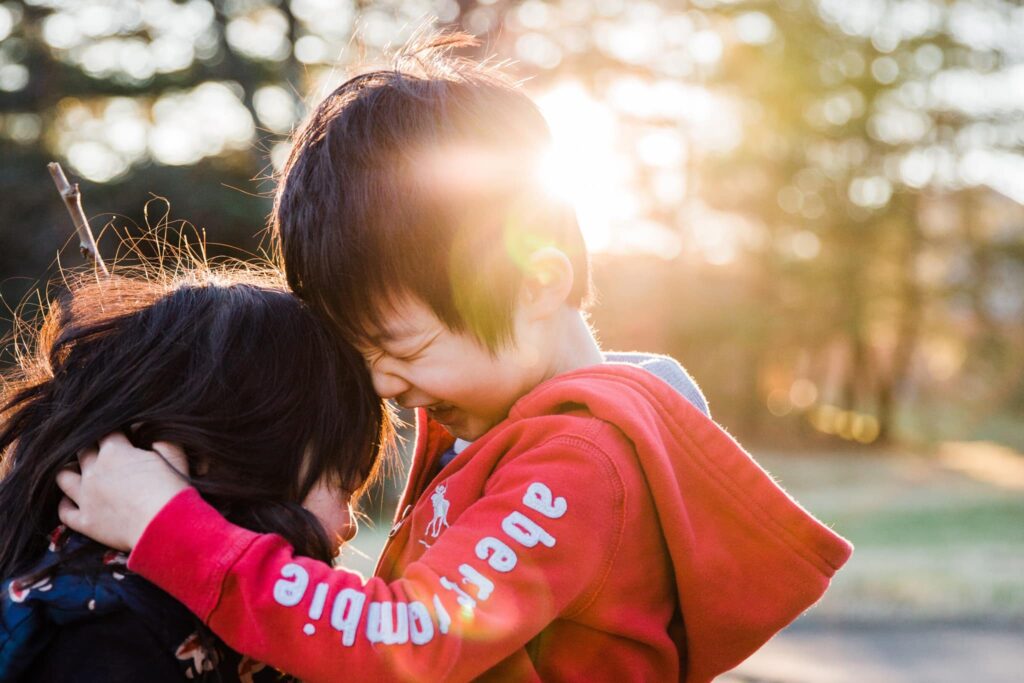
<point x="421" y="180"/>
<point x="264" y="399"/>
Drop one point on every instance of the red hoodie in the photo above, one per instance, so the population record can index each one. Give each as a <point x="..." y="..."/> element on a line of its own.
<point x="606" y="530"/>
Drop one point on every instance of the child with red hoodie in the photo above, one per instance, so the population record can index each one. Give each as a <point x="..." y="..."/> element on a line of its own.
<point x="569" y="516"/>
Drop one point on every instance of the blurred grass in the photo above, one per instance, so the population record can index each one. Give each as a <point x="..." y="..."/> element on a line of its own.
<point x="976" y="523"/>
<point x="930" y="422"/>
<point x="931" y="542"/>
<point x="1002" y="428"/>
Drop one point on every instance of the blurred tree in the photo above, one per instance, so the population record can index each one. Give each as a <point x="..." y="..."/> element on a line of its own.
<point x="856" y="119"/>
<point x="816" y="204"/>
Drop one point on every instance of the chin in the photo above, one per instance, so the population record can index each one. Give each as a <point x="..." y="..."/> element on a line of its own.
<point x="468" y="432"/>
<point x="457" y="432"/>
<point x="468" y="429"/>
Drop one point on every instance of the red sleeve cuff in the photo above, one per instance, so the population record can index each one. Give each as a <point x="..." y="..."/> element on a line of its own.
<point x="187" y="550"/>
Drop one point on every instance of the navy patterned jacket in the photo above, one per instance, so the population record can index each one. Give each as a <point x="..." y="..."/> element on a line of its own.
<point x="80" y="615"/>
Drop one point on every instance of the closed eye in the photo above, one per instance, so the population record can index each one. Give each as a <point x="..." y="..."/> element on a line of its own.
<point x="409" y="357"/>
<point x="415" y="353"/>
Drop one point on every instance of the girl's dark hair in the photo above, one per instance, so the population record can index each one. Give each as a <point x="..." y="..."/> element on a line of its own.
<point x="264" y="400"/>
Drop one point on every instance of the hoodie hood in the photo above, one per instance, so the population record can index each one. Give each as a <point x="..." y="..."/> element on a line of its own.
<point x="747" y="558"/>
<point x="666" y="369"/>
<point x="663" y="367"/>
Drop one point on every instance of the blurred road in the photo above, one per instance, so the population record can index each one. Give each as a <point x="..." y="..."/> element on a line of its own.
<point x="908" y="652"/>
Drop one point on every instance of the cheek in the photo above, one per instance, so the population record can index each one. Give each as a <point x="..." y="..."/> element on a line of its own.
<point x="333" y="511"/>
<point x="343" y="523"/>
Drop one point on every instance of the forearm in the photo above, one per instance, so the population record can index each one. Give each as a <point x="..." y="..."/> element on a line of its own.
<point x="450" y="617"/>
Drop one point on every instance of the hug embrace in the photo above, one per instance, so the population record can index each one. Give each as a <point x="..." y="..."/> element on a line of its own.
<point x="570" y="514"/>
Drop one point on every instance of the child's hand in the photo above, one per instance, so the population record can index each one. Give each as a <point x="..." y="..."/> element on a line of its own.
<point x="120" y="489"/>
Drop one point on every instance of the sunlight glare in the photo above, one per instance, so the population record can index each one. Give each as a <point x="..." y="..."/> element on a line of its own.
<point x="584" y="166"/>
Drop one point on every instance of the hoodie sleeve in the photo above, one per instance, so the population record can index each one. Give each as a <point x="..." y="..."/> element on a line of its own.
<point x="507" y="567"/>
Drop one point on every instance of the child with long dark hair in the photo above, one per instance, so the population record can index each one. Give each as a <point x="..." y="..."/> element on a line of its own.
<point x="271" y="409"/>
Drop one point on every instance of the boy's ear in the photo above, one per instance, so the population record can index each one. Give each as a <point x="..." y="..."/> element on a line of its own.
<point x="547" y="282"/>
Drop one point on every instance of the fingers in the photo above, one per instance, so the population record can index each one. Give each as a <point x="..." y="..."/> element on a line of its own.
<point x="87" y="458"/>
<point x="70" y="482"/>
<point x="115" y="439"/>
<point x="69" y="514"/>
<point x="173" y="454"/>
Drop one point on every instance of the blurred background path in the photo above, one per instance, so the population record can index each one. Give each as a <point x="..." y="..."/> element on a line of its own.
<point x="811" y="651"/>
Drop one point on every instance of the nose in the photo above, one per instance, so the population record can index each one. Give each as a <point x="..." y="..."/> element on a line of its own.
<point x="386" y="382"/>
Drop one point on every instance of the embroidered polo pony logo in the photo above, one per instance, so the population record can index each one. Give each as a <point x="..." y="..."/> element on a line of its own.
<point x="440" y="521"/>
